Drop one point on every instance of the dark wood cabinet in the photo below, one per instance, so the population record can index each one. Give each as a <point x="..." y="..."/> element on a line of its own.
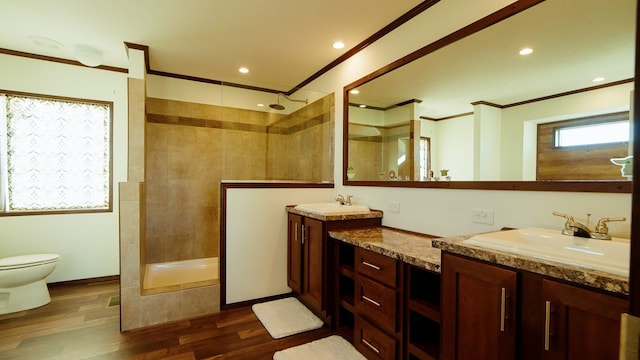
<point x="579" y="323"/>
<point x="479" y="310"/>
<point x="294" y="255"/>
<point x="422" y="314"/>
<point x="313" y="269"/>
<point x="306" y="261"/>
<point x="492" y="312"/>
<point x="310" y="260"/>
<point x="388" y="309"/>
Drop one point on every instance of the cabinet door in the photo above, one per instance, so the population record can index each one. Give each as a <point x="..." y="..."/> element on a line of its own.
<point x="478" y="310"/>
<point x="313" y="249"/>
<point x="579" y="323"/>
<point x="294" y="256"/>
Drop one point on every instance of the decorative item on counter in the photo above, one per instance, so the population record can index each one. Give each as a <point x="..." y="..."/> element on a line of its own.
<point x="627" y="165"/>
<point x="392" y="174"/>
<point x="431" y="174"/>
<point x="445" y="173"/>
<point x="351" y="173"/>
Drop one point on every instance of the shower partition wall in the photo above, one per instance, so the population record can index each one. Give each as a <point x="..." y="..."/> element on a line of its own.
<point x="191" y="147"/>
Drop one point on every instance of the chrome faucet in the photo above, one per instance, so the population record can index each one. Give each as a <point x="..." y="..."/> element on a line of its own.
<point x="342" y="200"/>
<point x="574" y="228"/>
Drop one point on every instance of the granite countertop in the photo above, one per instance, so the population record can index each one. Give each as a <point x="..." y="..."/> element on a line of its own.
<point x="597" y="279"/>
<point x="370" y="215"/>
<point x="412" y="248"/>
<point x="424" y="251"/>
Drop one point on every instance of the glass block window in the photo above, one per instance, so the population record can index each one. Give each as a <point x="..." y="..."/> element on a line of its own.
<point x="55" y="154"/>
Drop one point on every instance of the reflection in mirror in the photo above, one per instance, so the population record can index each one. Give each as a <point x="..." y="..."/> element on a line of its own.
<point x="490" y="113"/>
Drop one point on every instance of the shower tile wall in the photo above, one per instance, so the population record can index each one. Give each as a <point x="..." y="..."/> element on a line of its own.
<point x="190" y="147"/>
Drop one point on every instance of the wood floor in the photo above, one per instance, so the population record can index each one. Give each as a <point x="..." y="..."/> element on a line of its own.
<point x="79" y="324"/>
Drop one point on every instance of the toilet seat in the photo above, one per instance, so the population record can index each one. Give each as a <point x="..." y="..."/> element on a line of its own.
<point x="23" y="261"/>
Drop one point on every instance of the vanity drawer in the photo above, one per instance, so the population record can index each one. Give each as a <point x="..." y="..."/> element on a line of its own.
<point x="379" y="267"/>
<point x="372" y="342"/>
<point x="376" y="302"/>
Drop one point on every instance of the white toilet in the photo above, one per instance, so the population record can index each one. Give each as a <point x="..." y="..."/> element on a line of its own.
<point x="22" y="284"/>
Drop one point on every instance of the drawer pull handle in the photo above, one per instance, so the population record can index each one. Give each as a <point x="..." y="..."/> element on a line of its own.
<point x="371" y="300"/>
<point x="503" y="308"/>
<point x="371" y="346"/>
<point x="371" y="265"/>
<point x="547" y="324"/>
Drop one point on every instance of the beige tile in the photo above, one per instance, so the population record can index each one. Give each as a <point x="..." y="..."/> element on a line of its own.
<point x="160" y="308"/>
<point x="130" y="265"/>
<point x="201" y="301"/>
<point x="156" y="249"/>
<point x="129" y="222"/>
<point x="130" y="308"/>
<point x="129" y="191"/>
<point x="157" y="165"/>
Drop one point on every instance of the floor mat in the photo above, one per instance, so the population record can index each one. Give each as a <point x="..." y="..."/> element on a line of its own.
<point x="333" y="347"/>
<point x="286" y="317"/>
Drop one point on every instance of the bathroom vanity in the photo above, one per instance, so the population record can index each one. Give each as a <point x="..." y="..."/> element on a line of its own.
<point x="401" y="295"/>
<point x="526" y="308"/>
<point x="310" y="253"/>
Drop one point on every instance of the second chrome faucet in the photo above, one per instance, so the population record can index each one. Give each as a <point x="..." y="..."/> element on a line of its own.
<point x="574" y="228"/>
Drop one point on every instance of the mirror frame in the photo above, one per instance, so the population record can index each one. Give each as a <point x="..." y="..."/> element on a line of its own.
<point x="614" y="186"/>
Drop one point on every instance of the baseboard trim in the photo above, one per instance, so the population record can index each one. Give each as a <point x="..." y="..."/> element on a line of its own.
<point x="89" y="281"/>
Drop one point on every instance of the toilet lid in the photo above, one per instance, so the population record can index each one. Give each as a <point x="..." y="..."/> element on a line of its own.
<point x="27" y="260"/>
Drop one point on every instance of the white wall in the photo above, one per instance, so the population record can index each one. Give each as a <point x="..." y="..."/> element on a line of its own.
<point x="256" y="247"/>
<point x="448" y="212"/>
<point x="88" y="243"/>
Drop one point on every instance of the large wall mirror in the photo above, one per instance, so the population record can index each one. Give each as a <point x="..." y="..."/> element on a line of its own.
<point x="469" y="111"/>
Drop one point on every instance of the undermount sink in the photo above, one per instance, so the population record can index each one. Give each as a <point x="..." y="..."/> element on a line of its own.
<point x="333" y="209"/>
<point x="608" y="256"/>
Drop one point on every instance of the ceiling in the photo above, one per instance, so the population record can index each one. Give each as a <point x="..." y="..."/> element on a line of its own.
<point x="282" y="42"/>
<point x="574" y="41"/>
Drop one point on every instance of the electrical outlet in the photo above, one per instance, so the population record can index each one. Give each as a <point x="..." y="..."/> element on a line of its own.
<point x="394" y="206"/>
<point x="483" y="216"/>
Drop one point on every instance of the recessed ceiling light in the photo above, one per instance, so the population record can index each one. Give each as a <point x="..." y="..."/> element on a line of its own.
<point x="260" y="105"/>
<point x="363" y="105"/>
<point x="45" y="42"/>
<point x="598" y="79"/>
<point x="243" y="70"/>
<point x="338" y="45"/>
<point x="355" y="91"/>
<point x="526" y="51"/>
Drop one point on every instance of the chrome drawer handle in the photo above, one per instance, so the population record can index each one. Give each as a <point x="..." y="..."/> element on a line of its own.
<point x="371" y="300"/>
<point x="547" y="325"/>
<point x="370" y="265"/>
<point x="371" y="346"/>
<point x="503" y="308"/>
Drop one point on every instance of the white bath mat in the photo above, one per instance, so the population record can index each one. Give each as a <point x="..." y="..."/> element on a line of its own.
<point x="286" y="317"/>
<point x="330" y="348"/>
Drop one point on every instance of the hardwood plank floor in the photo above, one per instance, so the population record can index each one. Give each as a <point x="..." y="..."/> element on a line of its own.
<point x="78" y="324"/>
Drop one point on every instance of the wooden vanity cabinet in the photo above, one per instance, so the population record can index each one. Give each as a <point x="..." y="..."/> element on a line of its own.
<point x="582" y="324"/>
<point x="388" y="309"/>
<point x="310" y="259"/>
<point x="478" y="310"/>
<point x="543" y="318"/>
<point x="378" y="305"/>
<point x="305" y="261"/>
<point x="422" y="313"/>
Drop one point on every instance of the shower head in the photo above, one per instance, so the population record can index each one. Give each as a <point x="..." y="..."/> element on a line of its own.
<point x="277" y="105"/>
